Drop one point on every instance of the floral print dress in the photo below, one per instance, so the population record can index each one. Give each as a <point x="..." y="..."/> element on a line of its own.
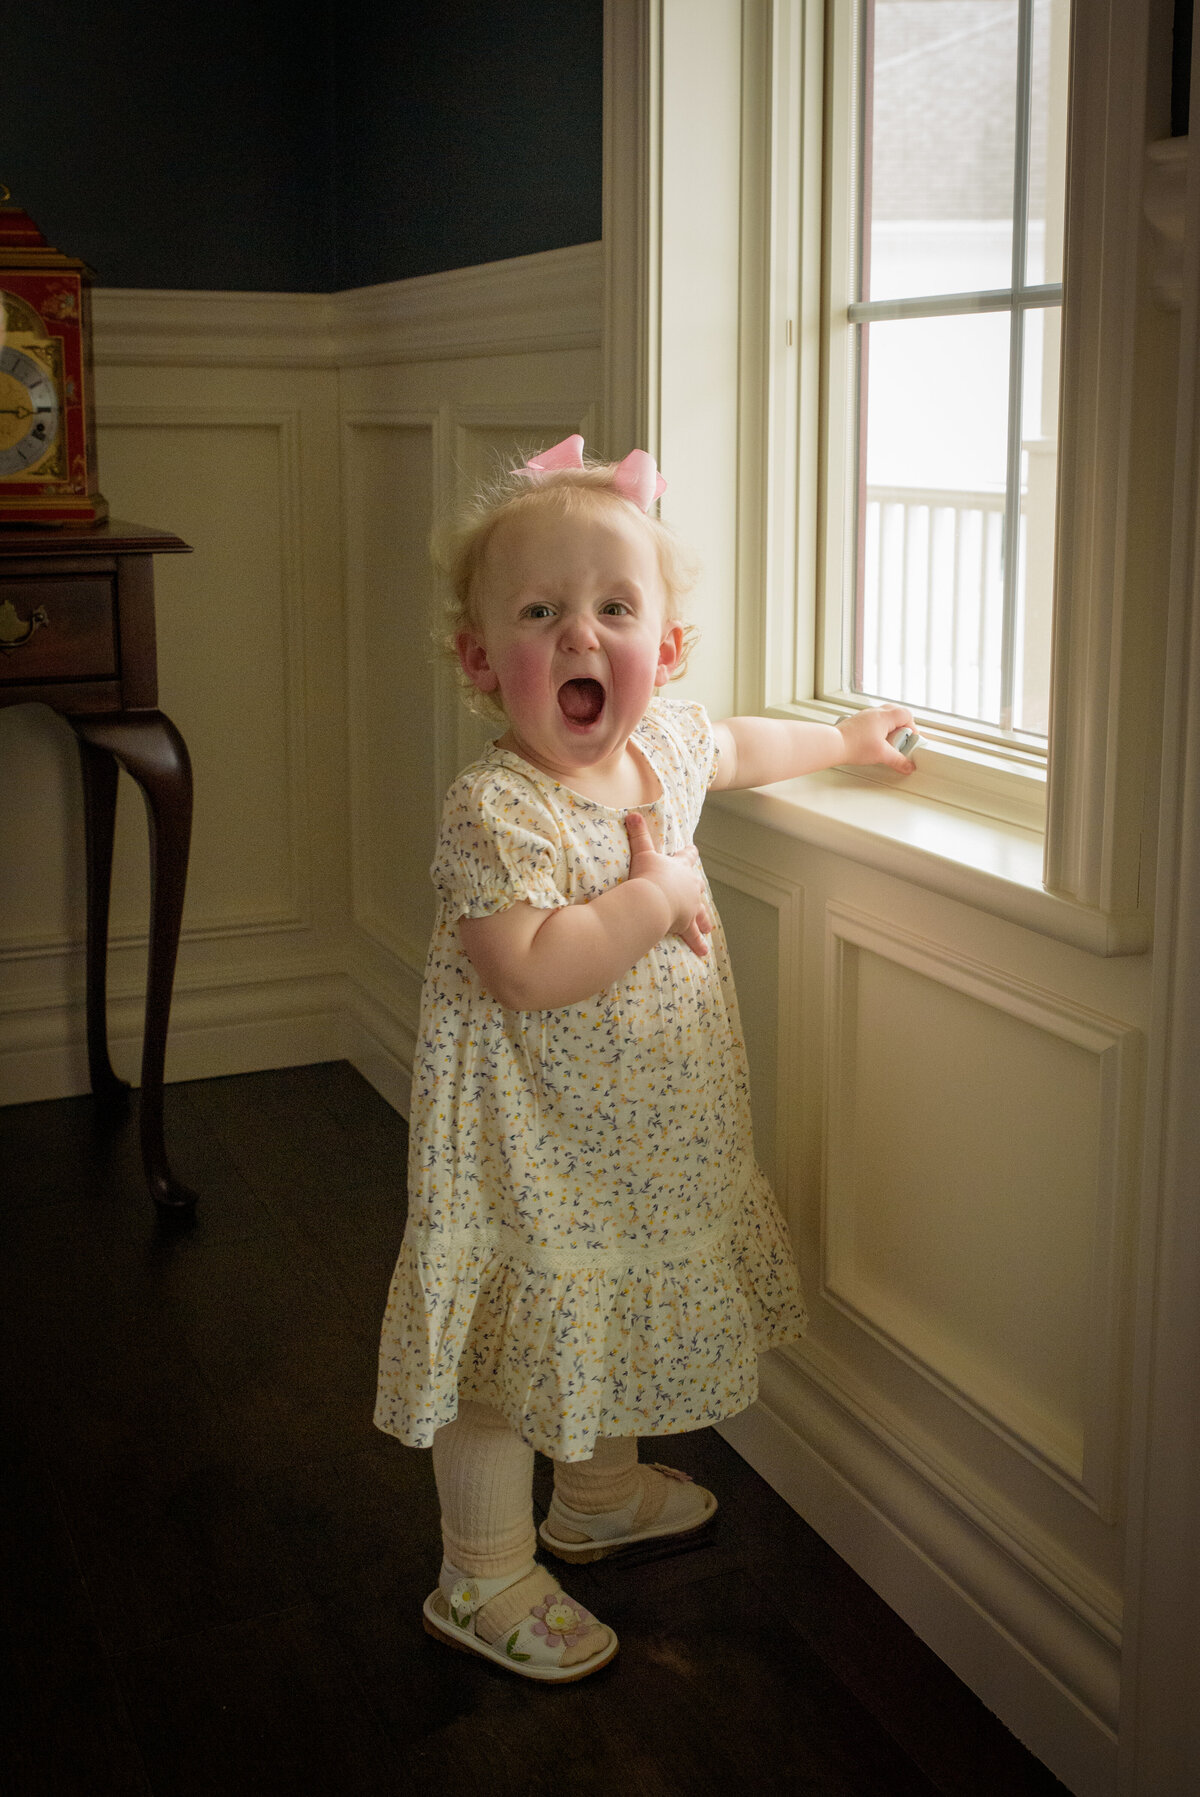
<point x="591" y="1248"/>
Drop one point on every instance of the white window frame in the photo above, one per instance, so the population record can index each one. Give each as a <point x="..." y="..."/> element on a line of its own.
<point x="726" y="99"/>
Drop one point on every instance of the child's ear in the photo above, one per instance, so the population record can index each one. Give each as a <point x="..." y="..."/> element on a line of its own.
<point x="472" y="658"/>
<point x="669" y="651"/>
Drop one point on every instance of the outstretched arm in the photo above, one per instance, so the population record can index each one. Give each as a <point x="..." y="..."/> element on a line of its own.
<point x="530" y="960"/>
<point x="756" y="751"/>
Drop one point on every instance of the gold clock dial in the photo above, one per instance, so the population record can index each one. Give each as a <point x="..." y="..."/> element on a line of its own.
<point x="30" y="419"/>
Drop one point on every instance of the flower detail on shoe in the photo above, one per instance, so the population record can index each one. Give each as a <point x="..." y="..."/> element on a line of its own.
<point x="561" y="1623"/>
<point x="463" y="1602"/>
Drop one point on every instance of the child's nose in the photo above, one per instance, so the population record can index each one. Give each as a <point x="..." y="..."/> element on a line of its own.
<point x="579" y="631"/>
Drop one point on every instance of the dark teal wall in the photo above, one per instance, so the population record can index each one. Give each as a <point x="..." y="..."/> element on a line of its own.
<point x="258" y="146"/>
<point x="467" y="131"/>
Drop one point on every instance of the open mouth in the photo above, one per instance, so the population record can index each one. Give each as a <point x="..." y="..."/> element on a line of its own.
<point x="581" y="701"/>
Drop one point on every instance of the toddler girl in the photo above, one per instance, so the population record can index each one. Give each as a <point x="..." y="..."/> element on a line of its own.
<point x="592" y="1253"/>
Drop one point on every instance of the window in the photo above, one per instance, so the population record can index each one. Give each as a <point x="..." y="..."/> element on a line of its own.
<point x="732" y="157"/>
<point x="948" y="135"/>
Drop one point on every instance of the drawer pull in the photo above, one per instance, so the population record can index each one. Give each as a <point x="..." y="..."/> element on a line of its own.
<point x="13" y="633"/>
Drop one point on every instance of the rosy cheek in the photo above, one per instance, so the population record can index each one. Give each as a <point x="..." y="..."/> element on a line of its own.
<point x="522" y="675"/>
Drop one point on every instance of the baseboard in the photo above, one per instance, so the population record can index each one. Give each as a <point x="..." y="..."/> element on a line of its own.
<point x="1039" y="1668"/>
<point x="234" y="1026"/>
<point x="215" y="1030"/>
<point x="381" y="1045"/>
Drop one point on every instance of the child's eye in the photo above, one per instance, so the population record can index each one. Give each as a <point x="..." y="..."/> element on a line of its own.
<point x="537" y="611"/>
<point x="615" y="608"/>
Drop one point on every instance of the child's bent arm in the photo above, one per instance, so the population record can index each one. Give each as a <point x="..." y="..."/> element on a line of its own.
<point x="757" y="751"/>
<point x="532" y="960"/>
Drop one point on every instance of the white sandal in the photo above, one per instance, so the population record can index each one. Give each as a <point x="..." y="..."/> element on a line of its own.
<point x="685" y="1508"/>
<point x="532" y="1649"/>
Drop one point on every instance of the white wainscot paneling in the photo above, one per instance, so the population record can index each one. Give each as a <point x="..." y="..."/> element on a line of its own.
<point x="979" y="1137"/>
<point x="230" y="655"/>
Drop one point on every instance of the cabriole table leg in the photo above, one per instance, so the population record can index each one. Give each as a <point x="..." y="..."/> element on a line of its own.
<point x="150" y="749"/>
<point x="99" y="813"/>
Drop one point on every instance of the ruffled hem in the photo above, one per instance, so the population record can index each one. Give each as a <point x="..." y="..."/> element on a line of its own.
<point x="567" y="1352"/>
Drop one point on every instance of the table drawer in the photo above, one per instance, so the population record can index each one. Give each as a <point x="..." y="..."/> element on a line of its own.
<point x="57" y="629"/>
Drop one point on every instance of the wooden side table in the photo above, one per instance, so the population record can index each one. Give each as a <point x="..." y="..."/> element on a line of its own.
<point x="77" y="634"/>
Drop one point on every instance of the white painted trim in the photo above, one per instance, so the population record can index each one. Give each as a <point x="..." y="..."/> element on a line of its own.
<point x="151" y="327"/>
<point x="237" y="1023"/>
<point x="632" y="32"/>
<point x="1010" y="1528"/>
<point x="230" y="1022"/>
<point x="987" y="863"/>
<point x="1030" y="1653"/>
<point x="1160" y="1717"/>
<point x="1100" y="690"/>
<point x="551" y="301"/>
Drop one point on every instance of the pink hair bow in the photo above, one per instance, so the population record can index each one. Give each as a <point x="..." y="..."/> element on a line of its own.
<point x="636" y="478"/>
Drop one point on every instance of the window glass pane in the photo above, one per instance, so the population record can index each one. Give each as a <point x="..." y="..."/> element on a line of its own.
<point x="1047" y="141"/>
<point x="939" y="119"/>
<point x="929" y="618"/>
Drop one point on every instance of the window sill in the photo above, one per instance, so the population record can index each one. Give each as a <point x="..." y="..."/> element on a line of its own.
<point x="1007" y="783"/>
<point x="984" y="862"/>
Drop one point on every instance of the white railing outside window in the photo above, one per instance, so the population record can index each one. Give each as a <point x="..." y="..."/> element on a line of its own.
<point x="933" y="597"/>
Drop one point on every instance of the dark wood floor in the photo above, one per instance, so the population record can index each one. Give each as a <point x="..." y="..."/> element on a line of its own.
<point x="213" y="1565"/>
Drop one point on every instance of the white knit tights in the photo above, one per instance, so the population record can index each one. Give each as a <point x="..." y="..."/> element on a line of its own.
<point x="484" y="1474"/>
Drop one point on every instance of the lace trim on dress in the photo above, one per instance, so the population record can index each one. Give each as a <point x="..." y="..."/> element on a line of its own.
<point x="510" y="1246"/>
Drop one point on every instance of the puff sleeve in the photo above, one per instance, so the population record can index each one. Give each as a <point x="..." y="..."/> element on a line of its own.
<point x="499" y="846"/>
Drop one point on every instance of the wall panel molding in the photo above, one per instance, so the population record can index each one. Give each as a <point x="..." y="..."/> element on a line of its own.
<point x="528" y="304"/>
<point x="1086" y="1462"/>
<point x="369" y="535"/>
<point x="286" y="424"/>
<point x="547" y="302"/>
<point x="1013" y="1531"/>
<point x="153" y="328"/>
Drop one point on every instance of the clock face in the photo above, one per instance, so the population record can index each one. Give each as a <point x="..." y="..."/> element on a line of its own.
<point x="30" y="420"/>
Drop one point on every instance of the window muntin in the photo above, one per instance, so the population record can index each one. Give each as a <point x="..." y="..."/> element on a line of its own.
<point x="947" y="343"/>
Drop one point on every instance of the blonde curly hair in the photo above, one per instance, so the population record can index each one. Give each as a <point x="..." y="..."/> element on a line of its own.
<point x="459" y="552"/>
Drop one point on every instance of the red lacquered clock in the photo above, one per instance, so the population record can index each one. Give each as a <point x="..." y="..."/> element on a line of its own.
<point x="47" y="414"/>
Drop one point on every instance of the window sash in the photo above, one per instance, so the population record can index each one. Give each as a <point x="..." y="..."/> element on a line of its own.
<point x="843" y="594"/>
